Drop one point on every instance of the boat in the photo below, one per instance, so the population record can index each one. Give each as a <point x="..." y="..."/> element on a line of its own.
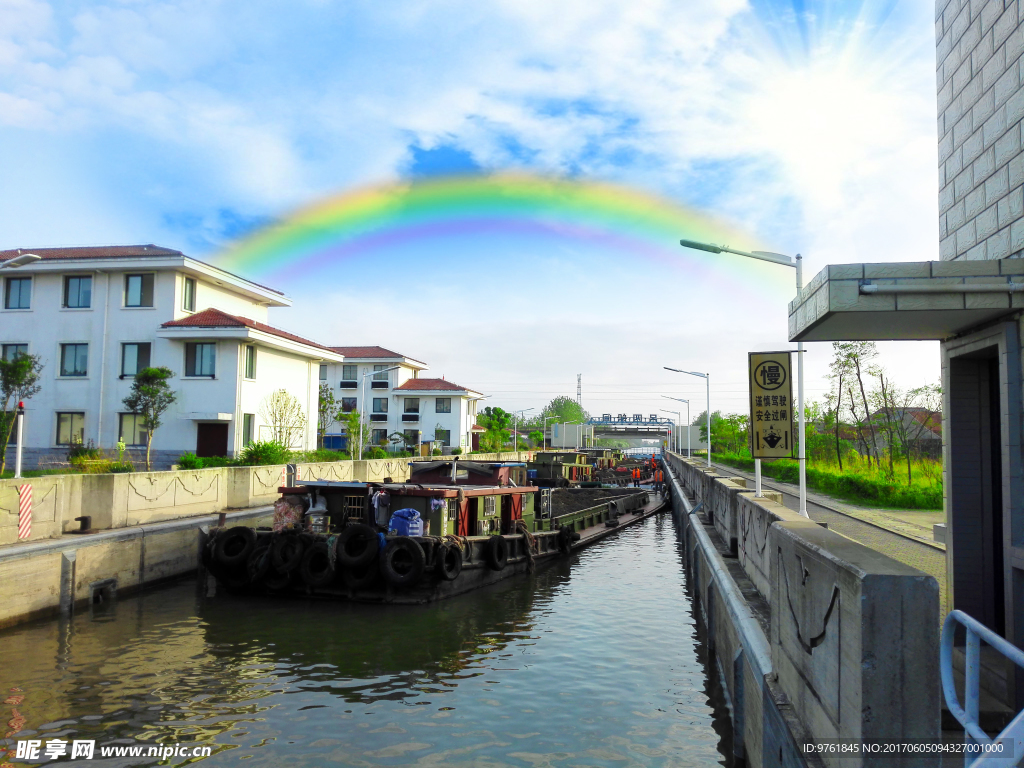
<point x="452" y="528"/>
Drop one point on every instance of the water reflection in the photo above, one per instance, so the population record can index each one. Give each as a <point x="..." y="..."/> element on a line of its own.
<point x="594" y="665"/>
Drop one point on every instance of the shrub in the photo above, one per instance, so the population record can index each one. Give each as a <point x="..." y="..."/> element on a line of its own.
<point x="209" y="462"/>
<point x="436" y="452"/>
<point x="456" y="451"/>
<point x="325" y="454"/>
<point x="189" y="461"/>
<point x="120" y="466"/>
<point x="94" y="466"/>
<point x="376" y="453"/>
<point x="81" y="453"/>
<point x="263" y="453"/>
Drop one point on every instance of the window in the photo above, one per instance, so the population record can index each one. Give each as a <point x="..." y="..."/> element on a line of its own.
<point x="443" y="405"/>
<point x="443" y="436"/>
<point x="200" y="359"/>
<point x="323" y="373"/>
<point x="381" y="374"/>
<point x="11" y="351"/>
<point x="250" y="363"/>
<point x="412" y="405"/>
<point x="70" y="428"/>
<point x="412" y="436"/>
<point x="78" y="292"/>
<point x="248" y="428"/>
<point x="18" y="293"/>
<point x="452" y="507"/>
<point x="349" y="372"/>
<point x="379" y="436"/>
<point x="348" y="404"/>
<point x="380" y="405"/>
<point x="130" y="429"/>
<point x="74" y="359"/>
<point x="188" y="295"/>
<point x="134" y="357"/>
<point x="138" y="290"/>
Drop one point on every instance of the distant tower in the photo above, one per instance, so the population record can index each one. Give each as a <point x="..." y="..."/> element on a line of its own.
<point x="579" y="389"/>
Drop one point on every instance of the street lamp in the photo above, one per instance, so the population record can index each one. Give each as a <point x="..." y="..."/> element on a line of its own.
<point x="20" y="261"/>
<point x="707" y="379"/>
<point x="545" y="430"/>
<point x="515" y="427"/>
<point x="362" y="399"/>
<point x="673" y="443"/>
<point x="679" y="399"/>
<point x="797" y="264"/>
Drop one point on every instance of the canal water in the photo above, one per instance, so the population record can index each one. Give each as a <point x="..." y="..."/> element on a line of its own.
<point x="593" y="661"/>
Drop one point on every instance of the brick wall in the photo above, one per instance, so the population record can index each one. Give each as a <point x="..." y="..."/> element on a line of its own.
<point x="979" y="74"/>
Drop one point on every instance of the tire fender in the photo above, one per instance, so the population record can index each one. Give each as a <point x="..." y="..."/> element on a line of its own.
<point x="497" y="553"/>
<point x="402" y="561"/>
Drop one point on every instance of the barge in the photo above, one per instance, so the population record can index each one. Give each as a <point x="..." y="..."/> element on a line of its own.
<point x="451" y="529"/>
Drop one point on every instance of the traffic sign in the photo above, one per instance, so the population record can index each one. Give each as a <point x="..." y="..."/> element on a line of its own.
<point x="772" y="409"/>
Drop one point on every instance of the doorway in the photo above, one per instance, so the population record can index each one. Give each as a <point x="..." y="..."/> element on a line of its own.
<point x="212" y="439"/>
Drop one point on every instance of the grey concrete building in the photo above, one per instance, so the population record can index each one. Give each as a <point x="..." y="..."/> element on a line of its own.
<point x="972" y="300"/>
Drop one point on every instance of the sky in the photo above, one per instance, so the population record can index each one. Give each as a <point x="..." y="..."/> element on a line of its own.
<point x="792" y="127"/>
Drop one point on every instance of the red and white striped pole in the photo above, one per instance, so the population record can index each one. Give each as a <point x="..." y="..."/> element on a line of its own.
<point x="24" y="511"/>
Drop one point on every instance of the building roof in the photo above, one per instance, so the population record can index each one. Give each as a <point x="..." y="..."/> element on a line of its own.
<point x="430" y="385"/>
<point x="374" y="353"/>
<point x="99" y="252"/>
<point x="216" y="318"/>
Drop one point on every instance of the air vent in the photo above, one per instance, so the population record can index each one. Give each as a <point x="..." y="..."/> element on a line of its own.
<point x="378" y="385"/>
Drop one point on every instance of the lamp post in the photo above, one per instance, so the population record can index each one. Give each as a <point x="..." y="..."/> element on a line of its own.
<point x="673" y="443"/>
<point x="680" y="400"/>
<point x="515" y="427"/>
<point x="544" y="440"/>
<point x="707" y="379"/>
<point x="362" y="403"/>
<point x="796" y="264"/>
<point x="20" y="433"/>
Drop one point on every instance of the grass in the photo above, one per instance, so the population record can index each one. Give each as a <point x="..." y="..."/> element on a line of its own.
<point x="859" y="481"/>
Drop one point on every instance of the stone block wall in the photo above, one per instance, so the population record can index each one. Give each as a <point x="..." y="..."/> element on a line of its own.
<point x="979" y="77"/>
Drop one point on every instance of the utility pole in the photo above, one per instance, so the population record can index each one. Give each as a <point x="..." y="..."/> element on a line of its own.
<point x="579" y="389"/>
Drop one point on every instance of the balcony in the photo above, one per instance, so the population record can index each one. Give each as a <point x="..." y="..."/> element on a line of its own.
<point x="348" y="384"/>
<point x="410" y="417"/>
<point x="379" y="384"/>
<point x="378" y="417"/>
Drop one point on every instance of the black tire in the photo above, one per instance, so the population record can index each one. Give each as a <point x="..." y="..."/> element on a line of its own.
<point x="287" y="552"/>
<point x="275" y="581"/>
<point x="235" y="545"/>
<point x="362" y="576"/>
<point x="448" y="562"/>
<point x="497" y="553"/>
<point x="316" y="568"/>
<point x="402" y="562"/>
<point x="356" y="545"/>
<point x="259" y="562"/>
<point x="565" y="539"/>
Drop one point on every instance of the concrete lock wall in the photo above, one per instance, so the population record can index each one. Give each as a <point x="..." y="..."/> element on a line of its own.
<point x="813" y="635"/>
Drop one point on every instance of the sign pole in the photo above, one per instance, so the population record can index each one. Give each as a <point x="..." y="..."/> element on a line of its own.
<point x="800" y="398"/>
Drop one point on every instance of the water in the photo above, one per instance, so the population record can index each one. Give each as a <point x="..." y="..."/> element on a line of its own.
<point x="597" y="664"/>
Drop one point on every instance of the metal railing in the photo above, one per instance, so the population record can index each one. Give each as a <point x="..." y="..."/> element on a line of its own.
<point x="967" y="715"/>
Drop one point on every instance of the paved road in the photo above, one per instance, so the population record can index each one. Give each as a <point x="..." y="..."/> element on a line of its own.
<point x="921" y="556"/>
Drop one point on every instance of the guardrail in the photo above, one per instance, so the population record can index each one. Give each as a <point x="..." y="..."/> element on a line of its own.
<point x="967" y="715"/>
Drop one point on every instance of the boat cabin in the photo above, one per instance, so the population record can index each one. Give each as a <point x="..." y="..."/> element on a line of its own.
<point x="456" y="472"/>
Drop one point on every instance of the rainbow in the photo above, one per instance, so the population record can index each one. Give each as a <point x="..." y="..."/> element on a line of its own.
<point x="375" y="218"/>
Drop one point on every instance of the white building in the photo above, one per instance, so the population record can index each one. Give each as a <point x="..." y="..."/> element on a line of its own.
<point x="97" y="315"/>
<point x="398" y="400"/>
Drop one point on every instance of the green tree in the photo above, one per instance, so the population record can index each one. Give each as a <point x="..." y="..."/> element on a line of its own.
<point x="536" y="437"/>
<point x="357" y="432"/>
<point x="327" y="407"/>
<point x="19" y="381"/>
<point x="497" y="422"/>
<point x="150" y="398"/>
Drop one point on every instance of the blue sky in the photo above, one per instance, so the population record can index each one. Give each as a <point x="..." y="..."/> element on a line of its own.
<point x="808" y="125"/>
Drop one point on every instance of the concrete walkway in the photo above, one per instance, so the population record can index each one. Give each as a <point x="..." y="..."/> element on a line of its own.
<point x="903" y="535"/>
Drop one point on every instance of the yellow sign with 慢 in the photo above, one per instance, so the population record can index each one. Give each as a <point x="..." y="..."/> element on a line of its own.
<point x="772" y="410"/>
